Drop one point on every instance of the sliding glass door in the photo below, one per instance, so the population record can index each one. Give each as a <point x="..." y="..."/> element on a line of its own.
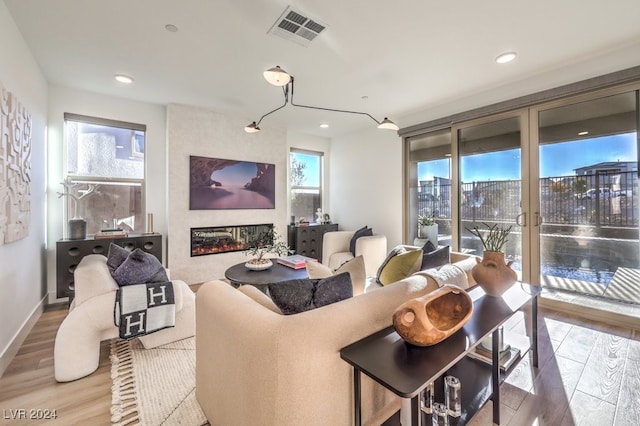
<point x="429" y="167"/>
<point x="588" y="197"/>
<point x="490" y="183"/>
<point x="563" y="175"/>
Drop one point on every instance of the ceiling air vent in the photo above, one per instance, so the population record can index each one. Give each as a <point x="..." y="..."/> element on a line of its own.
<point x="295" y="26"/>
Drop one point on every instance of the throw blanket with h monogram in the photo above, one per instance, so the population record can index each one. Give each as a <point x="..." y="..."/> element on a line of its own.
<point x="144" y="308"/>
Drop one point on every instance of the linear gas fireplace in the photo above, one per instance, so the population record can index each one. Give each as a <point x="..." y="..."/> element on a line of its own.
<point x="224" y="239"/>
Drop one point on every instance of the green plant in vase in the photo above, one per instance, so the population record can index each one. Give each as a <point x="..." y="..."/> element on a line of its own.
<point x="491" y="272"/>
<point x="267" y="242"/>
<point x="428" y="228"/>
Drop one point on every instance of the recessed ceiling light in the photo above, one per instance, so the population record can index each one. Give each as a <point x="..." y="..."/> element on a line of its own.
<point x="324" y="125"/>
<point x="122" y="78"/>
<point x="171" y="28"/>
<point x="583" y="133"/>
<point x="506" y="57"/>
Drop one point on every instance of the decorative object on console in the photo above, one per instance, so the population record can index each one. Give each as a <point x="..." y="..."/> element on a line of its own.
<point x="492" y="273"/>
<point x="217" y="183"/>
<point x="149" y="225"/>
<point x="267" y="242"/>
<point x="295" y="296"/>
<point x="428" y="320"/>
<point x="279" y="77"/>
<point x="428" y="228"/>
<point x="399" y="264"/>
<point x="77" y="225"/>
<point x="110" y="233"/>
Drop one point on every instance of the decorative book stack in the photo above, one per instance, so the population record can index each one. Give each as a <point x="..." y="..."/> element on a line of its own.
<point x="295" y="261"/>
<point x="110" y="233"/>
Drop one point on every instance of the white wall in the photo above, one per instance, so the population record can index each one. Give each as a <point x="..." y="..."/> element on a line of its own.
<point x="22" y="274"/>
<point x="61" y="100"/>
<point x="201" y="132"/>
<point x="366" y="182"/>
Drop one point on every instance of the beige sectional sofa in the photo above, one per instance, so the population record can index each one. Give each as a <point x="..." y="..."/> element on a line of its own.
<point x="257" y="366"/>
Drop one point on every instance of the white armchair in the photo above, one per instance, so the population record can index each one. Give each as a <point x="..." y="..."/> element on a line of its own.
<point x="335" y="250"/>
<point x="90" y="320"/>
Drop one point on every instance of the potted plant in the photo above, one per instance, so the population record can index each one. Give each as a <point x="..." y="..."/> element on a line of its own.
<point x="267" y="242"/>
<point x="428" y="228"/>
<point x="492" y="273"/>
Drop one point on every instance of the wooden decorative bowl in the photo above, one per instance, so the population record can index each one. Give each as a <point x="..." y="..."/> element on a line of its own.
<point x="430" y="319"/>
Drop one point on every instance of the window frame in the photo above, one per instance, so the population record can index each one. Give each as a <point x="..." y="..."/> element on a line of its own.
<point x="320" y="186"/>
<point x="76" y="178"/>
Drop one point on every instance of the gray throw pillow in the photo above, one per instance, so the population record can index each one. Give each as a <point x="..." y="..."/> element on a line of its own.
<point x="435" y="258"/>
<point x="295" y="296"/>
<point x="292" y="296"/>
<point x="333" y="289"/>
<point x="117" y="255"/>
<point x="140" y="267"/>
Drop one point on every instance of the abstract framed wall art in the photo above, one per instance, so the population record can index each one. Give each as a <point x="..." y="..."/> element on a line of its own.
<point x="218" y="184"/>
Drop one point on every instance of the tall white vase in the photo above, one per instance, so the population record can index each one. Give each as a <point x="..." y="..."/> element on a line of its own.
<point x="430" y="232"/>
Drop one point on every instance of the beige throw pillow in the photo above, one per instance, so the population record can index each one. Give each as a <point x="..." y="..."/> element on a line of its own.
<point x="355" y="268"/>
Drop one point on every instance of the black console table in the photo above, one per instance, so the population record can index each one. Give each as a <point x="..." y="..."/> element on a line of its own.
<point x="406" y="369"/>
<point x="70" y="252"/>
<point x="307" y="239"/>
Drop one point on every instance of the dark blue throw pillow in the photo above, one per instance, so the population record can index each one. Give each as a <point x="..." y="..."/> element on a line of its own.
<point x="295" y="296"/>
<point x="365" y="231"/>
<point x="434" y="257"/>
<point x="140" y="267"/>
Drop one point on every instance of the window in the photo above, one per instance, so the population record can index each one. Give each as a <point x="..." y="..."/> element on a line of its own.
<point x="429" y="173"/>
<point x="305" y="168"/>
<point x="105" y="172"/>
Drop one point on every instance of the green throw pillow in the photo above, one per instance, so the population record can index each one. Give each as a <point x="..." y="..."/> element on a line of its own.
<point x="400" y="266"/>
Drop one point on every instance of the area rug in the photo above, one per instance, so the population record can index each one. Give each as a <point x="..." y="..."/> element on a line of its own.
<point x="154" y="386"/>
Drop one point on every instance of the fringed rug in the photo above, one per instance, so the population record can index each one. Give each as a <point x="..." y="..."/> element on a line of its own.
<point x="154" y="386"/>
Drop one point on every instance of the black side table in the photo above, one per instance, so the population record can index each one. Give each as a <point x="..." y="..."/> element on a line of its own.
<point x="406" y="369"/>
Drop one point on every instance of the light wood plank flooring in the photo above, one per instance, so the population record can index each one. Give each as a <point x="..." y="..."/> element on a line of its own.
<point x="589" y="375"/>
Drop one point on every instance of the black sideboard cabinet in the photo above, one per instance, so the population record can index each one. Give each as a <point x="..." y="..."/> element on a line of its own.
<point x="70" y="252"/>
<point x="307" y="240"/>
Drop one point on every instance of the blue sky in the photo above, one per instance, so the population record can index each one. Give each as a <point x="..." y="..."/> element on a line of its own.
<point x="312" y="170"/>
<point x="559" y="159"/>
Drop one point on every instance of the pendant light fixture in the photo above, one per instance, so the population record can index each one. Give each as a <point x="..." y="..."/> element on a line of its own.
<point x="279" y="77"/>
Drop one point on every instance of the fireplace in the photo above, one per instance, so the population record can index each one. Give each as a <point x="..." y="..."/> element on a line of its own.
<point x="225" y="239"/>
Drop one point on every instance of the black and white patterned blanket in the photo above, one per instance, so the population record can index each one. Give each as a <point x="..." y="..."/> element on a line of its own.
<point x="144" y="308"/>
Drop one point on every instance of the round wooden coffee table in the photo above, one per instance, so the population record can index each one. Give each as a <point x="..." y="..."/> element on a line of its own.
<point x="240" y="275"/>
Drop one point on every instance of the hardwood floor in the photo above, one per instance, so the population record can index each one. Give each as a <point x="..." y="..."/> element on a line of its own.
<point x="589" y="375"/>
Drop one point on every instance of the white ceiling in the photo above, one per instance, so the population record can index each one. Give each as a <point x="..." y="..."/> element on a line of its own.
<point x="412" y="59"/>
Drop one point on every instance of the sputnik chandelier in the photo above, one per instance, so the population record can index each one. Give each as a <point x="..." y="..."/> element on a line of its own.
<point x="279" y="77"/>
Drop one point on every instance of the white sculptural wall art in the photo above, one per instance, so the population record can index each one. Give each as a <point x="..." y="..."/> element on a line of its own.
<point x="15" y="168"/>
